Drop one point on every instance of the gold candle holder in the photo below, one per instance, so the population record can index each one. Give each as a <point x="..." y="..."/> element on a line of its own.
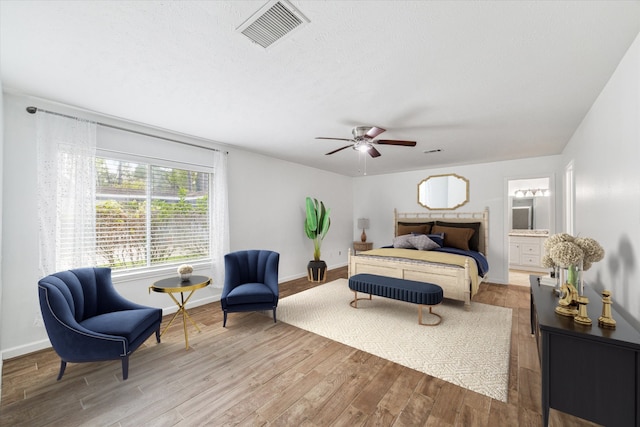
<point x="606" y="321"/>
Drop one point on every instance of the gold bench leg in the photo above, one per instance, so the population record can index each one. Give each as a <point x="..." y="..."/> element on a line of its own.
<point x="354" y="303"/>
<point x="420" y="306"/>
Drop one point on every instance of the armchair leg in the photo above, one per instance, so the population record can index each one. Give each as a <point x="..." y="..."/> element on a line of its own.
<point x="274" y="314"/>
<point x="224" y="322"/>
<point x="158" y="335"/>
<point x="63" y="365"/>
<point x="125" y="367"/>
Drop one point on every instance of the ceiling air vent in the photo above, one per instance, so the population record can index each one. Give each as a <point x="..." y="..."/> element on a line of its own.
<point x="273" y="21"/>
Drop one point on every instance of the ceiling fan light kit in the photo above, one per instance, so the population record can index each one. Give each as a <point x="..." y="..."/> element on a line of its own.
<point x="363" y="147"/>
<point x="363" y="140"/>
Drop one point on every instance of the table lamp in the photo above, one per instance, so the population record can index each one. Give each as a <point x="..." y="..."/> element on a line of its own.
<point x="363" y="223"/>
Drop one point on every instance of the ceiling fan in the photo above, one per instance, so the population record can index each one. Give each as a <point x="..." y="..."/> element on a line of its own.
<point x="363" y="140"/>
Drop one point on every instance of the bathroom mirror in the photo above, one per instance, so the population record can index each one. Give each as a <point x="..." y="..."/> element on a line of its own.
<point x="448" y="191"/>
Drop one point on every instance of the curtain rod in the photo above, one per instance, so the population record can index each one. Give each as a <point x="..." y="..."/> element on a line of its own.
<point x="33" y="110"/>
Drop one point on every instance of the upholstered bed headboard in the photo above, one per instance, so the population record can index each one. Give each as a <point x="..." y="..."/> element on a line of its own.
<point x="405" y="223"/>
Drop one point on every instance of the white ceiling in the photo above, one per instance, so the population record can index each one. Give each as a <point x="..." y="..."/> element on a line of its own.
<point x="481" y="80"/>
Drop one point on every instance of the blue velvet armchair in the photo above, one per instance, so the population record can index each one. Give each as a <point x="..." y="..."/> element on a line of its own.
<point x="87" y="320"/>
<point x="251" y="282"/>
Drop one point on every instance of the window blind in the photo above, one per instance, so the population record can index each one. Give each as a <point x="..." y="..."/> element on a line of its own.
<point x="149" y="215"/>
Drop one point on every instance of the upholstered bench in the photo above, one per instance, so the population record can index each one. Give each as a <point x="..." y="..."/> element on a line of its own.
<point x="420" y="293"/>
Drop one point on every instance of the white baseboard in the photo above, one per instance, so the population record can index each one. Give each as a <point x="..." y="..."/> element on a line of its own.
<point x="10" y="353"/>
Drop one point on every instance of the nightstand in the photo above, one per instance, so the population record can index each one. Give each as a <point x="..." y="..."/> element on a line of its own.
<point x="362" y="246"/>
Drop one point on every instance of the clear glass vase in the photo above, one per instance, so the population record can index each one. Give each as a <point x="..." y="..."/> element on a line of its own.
<point x="558" y="274"/>
<point x="574" y="277"/>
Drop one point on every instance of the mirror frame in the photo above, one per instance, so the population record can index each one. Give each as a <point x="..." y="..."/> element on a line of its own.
<point x="461" y="178"/>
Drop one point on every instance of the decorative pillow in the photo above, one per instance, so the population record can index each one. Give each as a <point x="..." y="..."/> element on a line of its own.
<point x="438" y="238"/>
<point x="403" y="242"/>
<point x="422" y="242"/>
<point x="409" y="227"/>
<point x="474" y="242"/>
<point x="455" y="237"/>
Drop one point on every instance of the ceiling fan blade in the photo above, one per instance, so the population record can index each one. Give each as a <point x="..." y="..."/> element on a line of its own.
<point x="373" y="152"/>
<point x="337" y="139"/>
<point x="396" y="142"/>
<point x="339" y="149"/>
<point x="374" y="131"/>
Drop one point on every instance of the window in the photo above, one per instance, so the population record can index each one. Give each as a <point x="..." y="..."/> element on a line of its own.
<point x="111" y="204"/>
<point x="149" y="215"/>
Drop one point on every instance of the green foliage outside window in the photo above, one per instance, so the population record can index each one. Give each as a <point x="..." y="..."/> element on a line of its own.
<point x="174" y="229"/>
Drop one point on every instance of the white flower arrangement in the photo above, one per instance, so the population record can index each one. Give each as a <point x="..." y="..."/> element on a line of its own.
<point x="185" y="269"/>
<point x="564" y="250"/>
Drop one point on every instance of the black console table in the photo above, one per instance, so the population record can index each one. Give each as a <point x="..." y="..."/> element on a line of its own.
<point x="590" y="372"/>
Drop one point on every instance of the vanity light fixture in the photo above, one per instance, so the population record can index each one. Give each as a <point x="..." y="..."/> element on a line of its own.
<point x="531" y="192"/>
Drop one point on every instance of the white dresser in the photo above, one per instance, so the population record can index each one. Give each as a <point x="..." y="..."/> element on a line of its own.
<point x="526" y="250"/>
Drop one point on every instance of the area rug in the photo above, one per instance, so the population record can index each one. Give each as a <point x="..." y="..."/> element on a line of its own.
<point x="469" y="348"/>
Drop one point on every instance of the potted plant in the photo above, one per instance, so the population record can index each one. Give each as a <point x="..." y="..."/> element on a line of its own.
<point x="316" y="225"/>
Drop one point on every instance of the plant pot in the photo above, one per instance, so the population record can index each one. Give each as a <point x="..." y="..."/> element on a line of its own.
<point x="317" y="271"/>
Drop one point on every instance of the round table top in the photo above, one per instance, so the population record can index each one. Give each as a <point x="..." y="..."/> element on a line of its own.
<point x="175" y="284"/>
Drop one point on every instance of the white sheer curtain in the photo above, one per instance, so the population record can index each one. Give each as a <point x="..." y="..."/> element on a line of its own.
<point x="219" y="218"/>
<point x="66" y="192"/>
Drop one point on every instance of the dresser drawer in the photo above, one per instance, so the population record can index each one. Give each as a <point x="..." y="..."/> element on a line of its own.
<point x="529" y="249"/>
<point x="532" y="260"/>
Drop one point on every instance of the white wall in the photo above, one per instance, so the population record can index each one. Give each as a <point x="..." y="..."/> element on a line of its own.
<point x="267" y="210"/>
<point x="605" y="150"/>
<point x="266" y="207"/>
<point x="1" y="215"/>
<point x="375" y="197"/>
<point x="19" y="234"/>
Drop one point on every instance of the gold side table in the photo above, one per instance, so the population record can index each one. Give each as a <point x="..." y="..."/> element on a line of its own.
<point x="174" y="285"/>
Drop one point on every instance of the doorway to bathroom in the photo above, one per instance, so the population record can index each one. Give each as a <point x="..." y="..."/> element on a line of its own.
<point x="529" y="216"/>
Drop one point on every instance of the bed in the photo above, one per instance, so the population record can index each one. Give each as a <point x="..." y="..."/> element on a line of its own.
<point x="456" y="268"/>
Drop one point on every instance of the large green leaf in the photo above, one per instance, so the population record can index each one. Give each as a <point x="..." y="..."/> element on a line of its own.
<point x="324" y="221"/>
<point x="312" y="222"/>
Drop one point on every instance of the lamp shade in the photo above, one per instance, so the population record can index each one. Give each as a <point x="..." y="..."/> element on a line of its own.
<point x="363" y="223"/>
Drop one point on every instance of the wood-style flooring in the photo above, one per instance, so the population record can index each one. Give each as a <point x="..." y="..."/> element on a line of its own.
<point x="256" y="372"/>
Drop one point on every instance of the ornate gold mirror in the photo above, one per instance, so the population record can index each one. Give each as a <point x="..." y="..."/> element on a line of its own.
<point x="448" y="191"/>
